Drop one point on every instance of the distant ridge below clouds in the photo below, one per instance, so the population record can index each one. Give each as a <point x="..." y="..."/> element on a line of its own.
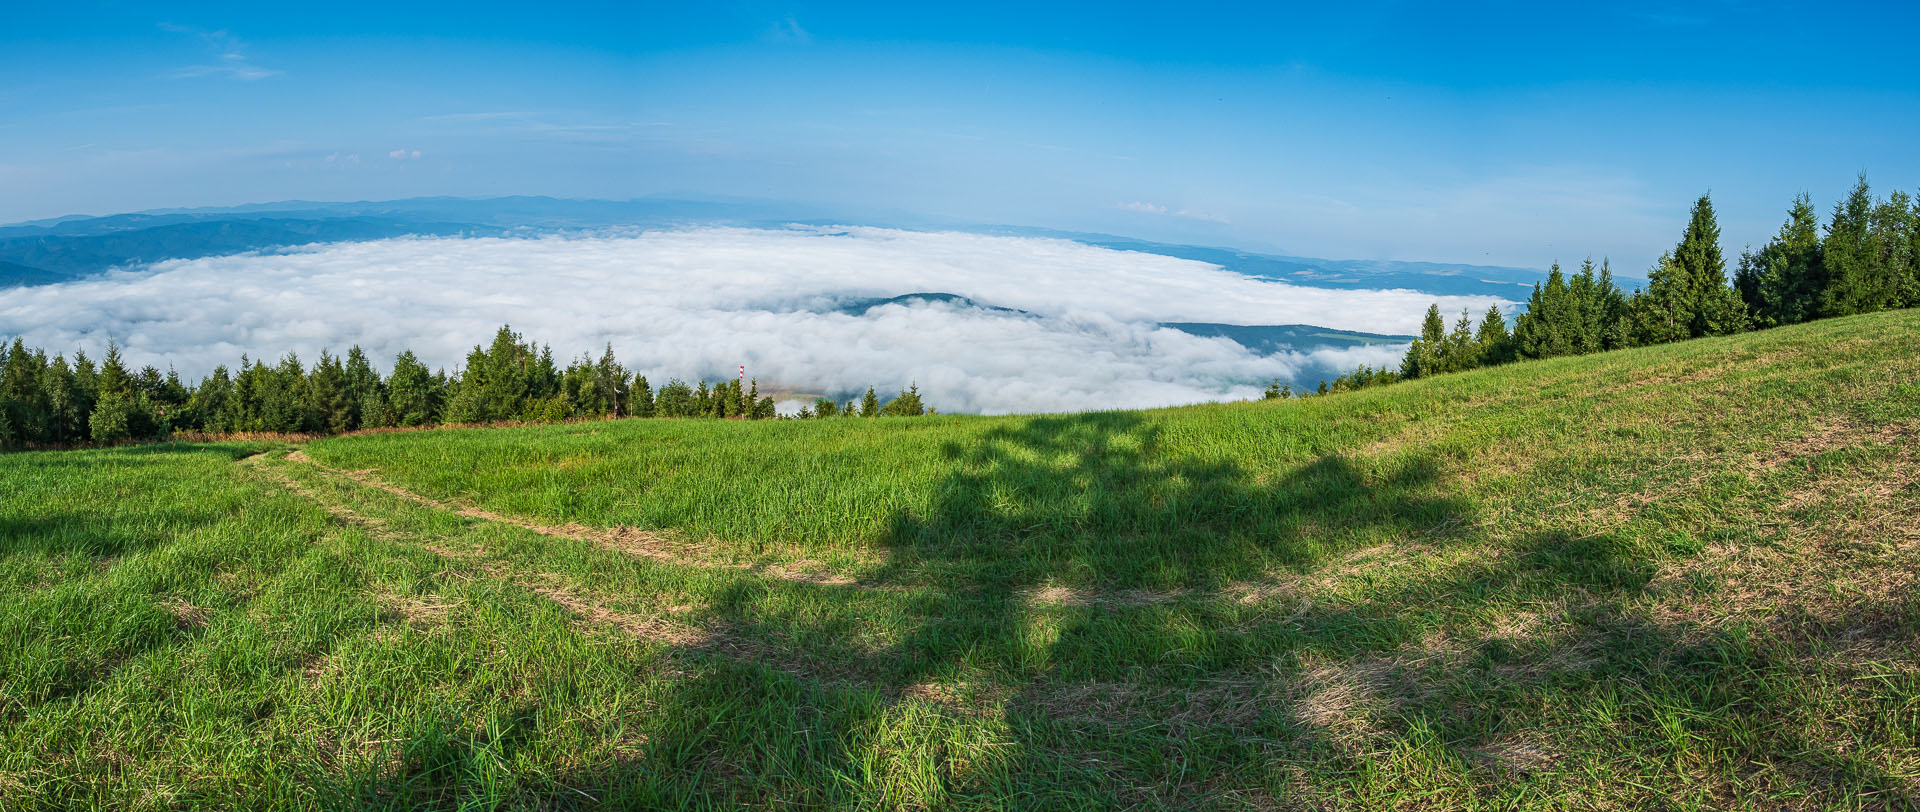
<point x="982" y="323"/>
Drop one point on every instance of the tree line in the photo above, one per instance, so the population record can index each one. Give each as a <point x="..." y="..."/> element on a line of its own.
<point x="1866" y="259"/>
<point x="51" y="401"/>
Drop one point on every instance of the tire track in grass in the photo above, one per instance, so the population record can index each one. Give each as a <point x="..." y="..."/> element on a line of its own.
<point x="632" y="541"/>
<point x="658" y="547"/>
<point x="1126" y="705"/>
<point x="1235" y="702"/>
<point x="590" y="609"/>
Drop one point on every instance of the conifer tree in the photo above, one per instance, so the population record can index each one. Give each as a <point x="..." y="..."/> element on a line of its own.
<point x="1546" y="329"/>
<point x="22" y="395"/>
<point x="366" y="394"/>
<point x="410" y="392"/>
<point x="1700" y="302"/>
<point x="66" y="420"/>
<point x="1460" y="352"/>
<point x="1492" y="338"/>
<point x="209" y="401"/>
<point x="86" y="386"/>
<point x="614" y="383"/>
<point x="675" y="399"/>
<point x="1892" y="240"/>
<point x="1854" y="283"/>
<point x="906" y="404"/>
<point x="1660" y="313"/>
<point x="329" y="404"/>
<point x="869" y="404"/>
<point x="1783" y="282"/>
<point x="641" y="397"/>
<point x="1424" y="355"/>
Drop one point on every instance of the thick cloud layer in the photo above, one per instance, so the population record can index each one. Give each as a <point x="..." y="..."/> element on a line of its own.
<point x="700" y="302"/>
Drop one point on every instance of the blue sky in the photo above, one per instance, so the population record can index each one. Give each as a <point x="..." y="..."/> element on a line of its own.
<point x="1507" y="134"/>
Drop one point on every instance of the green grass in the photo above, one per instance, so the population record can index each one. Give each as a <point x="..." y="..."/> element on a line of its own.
<point x="1676" y="577"/>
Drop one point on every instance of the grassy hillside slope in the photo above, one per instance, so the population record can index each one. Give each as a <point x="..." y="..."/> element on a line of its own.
<point x="1677" y="576"/>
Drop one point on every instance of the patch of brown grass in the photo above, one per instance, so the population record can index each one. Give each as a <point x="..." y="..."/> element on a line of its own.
<point x="186" y="616"/>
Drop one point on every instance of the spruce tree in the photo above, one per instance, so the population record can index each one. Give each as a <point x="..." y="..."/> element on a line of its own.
<point x="1788" y="275"/>
<point x="870" y="404"/>
<point x="1852" y="275"/>
<point x="614" y="383"/>
<point x="1892" y="240"/>
<point x="1710" y="306"/>
<point x="1546" y="329"/>
<point x="1460" y="352"/>
<point x="410" y="392"/>
<point x="22" y="395"/>
<point x="210" y="398"/>
<point x="1661" y="312"/>
<point x="66" y="418"/>
<point x="906" y="404"/>
<point x="366" y="395"/>
<point x="641" y="397"/>
<point x="1424" y="355"/>
<point x="329" y="406"/>
<point x="1492" y="338"/>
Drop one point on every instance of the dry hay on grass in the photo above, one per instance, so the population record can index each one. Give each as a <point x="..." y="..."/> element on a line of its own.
<point x="1844" y="432"/>
<point x="1518" y="754"/>
<point x="1846" y="551"/>
<point x="417" y="610"/>
<point x="186" y="616"/>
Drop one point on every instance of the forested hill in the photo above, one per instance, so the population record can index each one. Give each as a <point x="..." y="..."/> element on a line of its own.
<point x="46" y="258"/>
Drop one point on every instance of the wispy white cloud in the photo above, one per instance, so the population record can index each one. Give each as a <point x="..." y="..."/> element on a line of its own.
<point x="229" y="53"/>
<point x="1144" y="207"/>
<point x="788" y="29"/>
<point x="701" y="301"/>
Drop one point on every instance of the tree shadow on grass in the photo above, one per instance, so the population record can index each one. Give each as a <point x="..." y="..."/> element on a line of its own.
<point x="1138" y="615"/>
<point x="1083" y="550"/>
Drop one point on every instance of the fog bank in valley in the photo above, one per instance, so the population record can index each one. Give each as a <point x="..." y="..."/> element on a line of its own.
<point x="1076" y="326"/>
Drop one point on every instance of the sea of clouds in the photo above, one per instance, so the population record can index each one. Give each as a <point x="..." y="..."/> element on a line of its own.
<point x="700" y="302"/>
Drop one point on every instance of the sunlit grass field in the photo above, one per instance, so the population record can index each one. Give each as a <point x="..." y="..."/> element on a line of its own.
<point x="1685" y="576"/>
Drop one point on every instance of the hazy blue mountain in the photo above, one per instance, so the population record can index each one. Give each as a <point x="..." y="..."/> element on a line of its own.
<point x="65" y="248"/>
<point x="1347" y="274"/>
<point x="79" y="248"/>
<point x="12" y="274"/>
<point x="1264" y="339"/>
<point x="1267" y="339"/>
<point x="860" y="306"/>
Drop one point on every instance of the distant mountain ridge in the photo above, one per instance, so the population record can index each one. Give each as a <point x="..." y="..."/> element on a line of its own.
<point x="1261" y="339"/>
<point x="66" y="248"/>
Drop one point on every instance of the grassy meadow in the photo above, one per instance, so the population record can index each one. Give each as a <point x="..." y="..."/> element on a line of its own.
<point x="1684" y="576"/>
